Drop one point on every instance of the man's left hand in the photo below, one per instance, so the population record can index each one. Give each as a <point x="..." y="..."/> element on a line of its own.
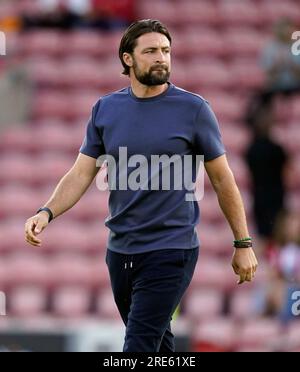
<point x="244" y="264"/>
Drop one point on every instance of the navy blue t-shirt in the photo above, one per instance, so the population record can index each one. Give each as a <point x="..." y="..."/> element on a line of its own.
<point x="175" y="122"/>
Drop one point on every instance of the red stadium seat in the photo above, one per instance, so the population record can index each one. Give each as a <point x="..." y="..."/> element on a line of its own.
<point x="293" y="179"/>
<point x="51" y="168"/>
<point x="81" y="270"/>
<point x="259" y="333"/>
<point x="66" y="237"/>
<point x="29" y="7"/>
<point x="291" y="342"/>
<point x="295" y="101"/>
<point x="209" y="206"/>
<point x="204" y="42"/>
<point x="70" y="301"/>
<point x="246" y="74"/>
<point x="70" y="236"/>
<point x="240" y="171"/>
<point x="12" y="233"/>
<point x="217" y="334"/>
<point x="289" y="137"/>
<point x="112" y="42"/>
<point x="243" y="41"/>
<point x="8" y="9"/>
<point x="283" y="110"/>
<point x="56" y="138"/>
<point x="293" y="200"/>
<point x="51" y="104"/>
<point x="27" y="301"/>
<point x="27" y="269"/>
<point x="207" y="74"/>
<point x="106" y="306"/>
<point x="93" y="205"/>
<point x="227" y="107"/>
<point x="203" y="304"/>
<point x="243" y="304"/>
<point x="41" y="43"/>
<point x="81" y="72"/>
<point x="45" y="72"/>
<point x="235" y="137"/>
<point x="82" y="104"/>
<point x="17" y="202"/>
<point x="85" y="43"/>
<point x="3" y="275"/>
<point x="16" y="138"/>
<point x="164" y="10"/>
<point x="198" y="12"/>
<point x="110" y="77"/>
<point x="16" y="169"/>
<point x="275" y="10"/>
<point x="197" y="42"/>
<point x="235" y="12"/>
<point x="209" y="240"/>
<point x="213" y="272"/>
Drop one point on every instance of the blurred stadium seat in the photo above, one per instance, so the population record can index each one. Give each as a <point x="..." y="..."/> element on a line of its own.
<point x="71" y="301"/>
<point x="243" y="41"/>
<point x="243" y="304"/>
<point x="41" y="42"/>
<point x="203" y="304"/>
<point x="240" y="13"/>
<point x="27" y="301"/>
<point x="259" y="333"/>
<point x="106" y="307"/>
<point x="198" y="12"/>
<point x="217" y="334"/>
<point x="213" y="272"/>
<point x="274" y="10"/>
<point x="26" y="269"/>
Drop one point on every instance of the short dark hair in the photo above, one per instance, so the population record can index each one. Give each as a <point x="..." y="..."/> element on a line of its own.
<point x="134" y="31"/>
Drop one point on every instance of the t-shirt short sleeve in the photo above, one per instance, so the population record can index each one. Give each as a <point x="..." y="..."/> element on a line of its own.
<point x="92" y="144"/>
<point x="207" y="139"/>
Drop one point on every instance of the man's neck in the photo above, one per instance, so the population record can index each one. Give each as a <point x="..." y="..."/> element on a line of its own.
<point x="146" y="91"/>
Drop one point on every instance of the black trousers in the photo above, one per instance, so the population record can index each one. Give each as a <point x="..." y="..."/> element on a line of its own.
<point x="147" y="288"/>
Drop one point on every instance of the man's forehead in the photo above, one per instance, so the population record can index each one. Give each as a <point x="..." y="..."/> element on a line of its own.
<point x="152" y="39"/>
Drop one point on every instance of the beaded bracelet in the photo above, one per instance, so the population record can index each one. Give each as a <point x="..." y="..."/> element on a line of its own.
<point x="243" y="240"/>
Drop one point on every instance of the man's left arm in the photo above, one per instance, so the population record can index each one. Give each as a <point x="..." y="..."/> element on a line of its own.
<point x="244" y="262"/>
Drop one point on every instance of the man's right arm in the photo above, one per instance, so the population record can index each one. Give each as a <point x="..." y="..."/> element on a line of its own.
<point x="66" y="194"/>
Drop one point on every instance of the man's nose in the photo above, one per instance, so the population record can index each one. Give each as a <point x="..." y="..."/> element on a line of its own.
<point x="160" y="56"/>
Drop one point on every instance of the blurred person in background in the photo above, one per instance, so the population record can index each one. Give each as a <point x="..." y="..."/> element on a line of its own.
<point x="153" y="245"/>
<point x="110" y="14"/>
<point x="15" y="90"/>
<point x="60" y="14"/>
<point x="70" y="14"/>
<point x="267" y="162"/>
<point x="284" y="259"/>
<point x="282" y="67"/>
<point x="9" y="18"/>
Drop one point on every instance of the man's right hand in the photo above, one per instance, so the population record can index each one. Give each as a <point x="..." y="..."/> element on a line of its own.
<point x="34" y="226"/>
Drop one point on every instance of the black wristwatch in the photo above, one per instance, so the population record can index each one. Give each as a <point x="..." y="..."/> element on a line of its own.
<point x="48" y="211"/>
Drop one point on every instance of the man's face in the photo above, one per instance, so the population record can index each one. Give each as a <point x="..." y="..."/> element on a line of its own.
<point x="151" y="59"/>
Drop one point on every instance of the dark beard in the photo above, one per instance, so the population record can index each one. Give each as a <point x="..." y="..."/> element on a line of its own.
<point x="152" y="77"/>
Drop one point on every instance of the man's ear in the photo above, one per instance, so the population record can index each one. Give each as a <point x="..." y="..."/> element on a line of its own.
<point x="127" y="58"/>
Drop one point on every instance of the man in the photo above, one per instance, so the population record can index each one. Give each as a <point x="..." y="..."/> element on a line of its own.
<point x="153" y="246"/>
